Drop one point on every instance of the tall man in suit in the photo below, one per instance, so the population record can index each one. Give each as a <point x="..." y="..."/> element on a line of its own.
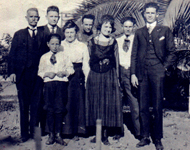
<point x="25" y="53"/>
<point x="152" y="56"/>
<point x="125" y="43"/>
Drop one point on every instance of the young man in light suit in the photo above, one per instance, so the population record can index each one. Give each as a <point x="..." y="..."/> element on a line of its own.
<point x="24" y="56"/>
<point x="152" y="57"/>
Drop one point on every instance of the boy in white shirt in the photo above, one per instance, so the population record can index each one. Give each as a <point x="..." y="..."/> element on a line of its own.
<point x="54" y="69"/>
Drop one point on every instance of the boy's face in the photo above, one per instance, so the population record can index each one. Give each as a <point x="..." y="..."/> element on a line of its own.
<point x="87" y="25"/>
<point x="32" y="18"/>
<point x="52" y="17"/>
<point x="53" y="45"/>
<point x="150" y="14"/>
<point x="128" y="27"/>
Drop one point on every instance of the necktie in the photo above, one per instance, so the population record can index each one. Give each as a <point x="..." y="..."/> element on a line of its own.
<point x="53" y="59"/>
<point x="126" y="44"/>
<point x="52" y="31"/>
<point x="33" y="33"/>
<point x="150" y="28"/>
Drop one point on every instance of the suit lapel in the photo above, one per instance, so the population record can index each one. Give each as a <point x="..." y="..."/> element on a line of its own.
<point x="155" y="34"/>
<point x="145" y="32"/>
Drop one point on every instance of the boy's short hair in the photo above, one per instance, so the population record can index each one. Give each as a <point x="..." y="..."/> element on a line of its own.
<point x="32" y="9"/>
<point x="51" y="36"/>
<point x="70" y="24"/>
<point x="88" y="16"/>
<point x="53" y="8"/>
<point x="151" y="4"/>
<point x="123" y="20"/>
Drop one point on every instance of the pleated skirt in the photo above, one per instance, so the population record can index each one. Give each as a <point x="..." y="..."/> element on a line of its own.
<point x="103" y="99"/>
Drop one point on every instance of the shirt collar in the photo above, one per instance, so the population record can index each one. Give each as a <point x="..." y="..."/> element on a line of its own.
<point x="152" y="25"/>
<point x="32" y="28"/>
<point x="50" y="27"/>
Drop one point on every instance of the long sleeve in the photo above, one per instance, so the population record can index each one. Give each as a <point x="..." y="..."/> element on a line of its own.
<point x="85" y="62"/>
<point x="69" y="66"/>
<point x="42" y="67"/>
<point x="117" y="58"/>
<point x="134" y="54"/>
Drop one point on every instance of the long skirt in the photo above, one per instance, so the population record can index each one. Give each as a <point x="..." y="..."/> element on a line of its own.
<point x="74" y="122"/>
<point x="103" y="99"/>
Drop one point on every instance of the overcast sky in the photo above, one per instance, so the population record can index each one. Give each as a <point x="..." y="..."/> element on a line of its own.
<point x="13" y="12"/>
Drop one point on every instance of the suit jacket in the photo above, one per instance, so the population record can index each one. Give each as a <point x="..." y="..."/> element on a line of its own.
<point x="163" y="41"/>
<point x="19" y="49"/>
<point x="46" y="31"/>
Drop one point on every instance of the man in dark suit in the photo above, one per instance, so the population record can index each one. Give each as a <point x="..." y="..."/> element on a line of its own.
<point x="52" y="17"/>
<point x="24" y="56"/>
<point x="152" y="56"/>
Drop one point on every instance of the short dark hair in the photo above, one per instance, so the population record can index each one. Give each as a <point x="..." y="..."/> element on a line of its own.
<point x="105" y="19"/>
<point x="123" y="20"/>
<point x="53" y="8"/>
<point x="151" y="4"/>
<point x="88" y="16"/>
<point x="70" y="24"/>
<point x="51" y="36"/>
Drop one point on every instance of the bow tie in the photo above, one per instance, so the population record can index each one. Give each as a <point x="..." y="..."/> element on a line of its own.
<point x="53" y="59"/>
<point x="126" y="44"/>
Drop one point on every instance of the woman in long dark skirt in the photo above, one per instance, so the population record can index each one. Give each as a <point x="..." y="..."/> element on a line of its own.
<point x="74" y="123"/>
<point x="103" y="99"/>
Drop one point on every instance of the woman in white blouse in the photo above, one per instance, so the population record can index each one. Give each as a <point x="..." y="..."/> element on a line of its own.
<point x="78" y="53"/>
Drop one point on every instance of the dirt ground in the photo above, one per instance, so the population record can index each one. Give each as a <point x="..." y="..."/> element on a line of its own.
<point x="176" y="130"/>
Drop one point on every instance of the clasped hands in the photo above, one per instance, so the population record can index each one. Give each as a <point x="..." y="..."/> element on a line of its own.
<point x="60" y="74"/>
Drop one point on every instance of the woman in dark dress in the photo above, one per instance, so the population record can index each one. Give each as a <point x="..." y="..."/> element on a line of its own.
<point x="103" y="99"/>
<point x="74" y="123"/>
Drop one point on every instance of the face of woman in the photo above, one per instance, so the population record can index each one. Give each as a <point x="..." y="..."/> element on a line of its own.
<point x="70" y="34"/>
<point x="106" y="29"/>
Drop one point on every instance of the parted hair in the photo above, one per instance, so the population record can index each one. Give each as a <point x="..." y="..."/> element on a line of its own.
<point x="70" y="24"/>
<point x="53" y="8"/>
<point x="51" y="36"/>
<point x="106" y="19"/>
<point x="151" y="4"/>
<point x="129" y="18"/>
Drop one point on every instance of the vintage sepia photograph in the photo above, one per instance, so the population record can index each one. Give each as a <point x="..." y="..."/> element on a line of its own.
<point x="95" y="75"/>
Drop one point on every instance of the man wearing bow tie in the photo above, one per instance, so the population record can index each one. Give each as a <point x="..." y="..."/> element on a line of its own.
<point x="24" y="56"/>
<point x="125" y="43"/>
<point x="152" y="56"/>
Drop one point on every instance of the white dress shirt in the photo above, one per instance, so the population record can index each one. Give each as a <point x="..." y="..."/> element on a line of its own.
<point x="151" y="26"/>
<point x="78" y="53"/>
<point x="51" y="28"/>
<point x="30" y="30"/>
<point x="125" y="57"/>
<point x="63" y="64"/>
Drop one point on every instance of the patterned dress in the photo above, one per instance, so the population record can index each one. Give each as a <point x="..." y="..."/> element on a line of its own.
<point x="103" y="98"/>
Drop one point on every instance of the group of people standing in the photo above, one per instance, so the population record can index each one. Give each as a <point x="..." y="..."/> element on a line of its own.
<point x="76" y="76"/>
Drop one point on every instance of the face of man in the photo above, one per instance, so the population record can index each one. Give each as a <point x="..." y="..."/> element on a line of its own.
<point x="32" y="18"/>
<point x="53" y="18"/>
<point x="150" y="14"/>
<point x="87" y="25"/>
<point x="128" y="27"/>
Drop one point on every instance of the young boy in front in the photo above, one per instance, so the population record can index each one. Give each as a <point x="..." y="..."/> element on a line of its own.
<point x="54" y="69"/>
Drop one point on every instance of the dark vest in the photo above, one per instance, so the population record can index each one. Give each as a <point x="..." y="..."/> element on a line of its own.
<point x="151" y="58"/>
<point x="33" y="52"/>
<point x="102" y="58"/>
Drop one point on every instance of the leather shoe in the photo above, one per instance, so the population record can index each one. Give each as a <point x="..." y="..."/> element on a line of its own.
<point x="105" y="141"/>
<point x="158" y="144"/>
<point x="59" y="140"/>
<point x="144" y="141"/>
<point x="93" y="140"/>
<point x="50" y="140"/>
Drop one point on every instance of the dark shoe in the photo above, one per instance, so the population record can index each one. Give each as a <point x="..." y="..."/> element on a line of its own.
<point x="59" y="140"/>
<point x="24" y="138"/>
<point x="51" y="139"/>
<point x="143" y="142"/>
<point x="93" y="140"/>
<point x="105" y="141"/>
<point x="158" y="144"/>
<point x="138" y="137"/>
<point x="116" y="137"/>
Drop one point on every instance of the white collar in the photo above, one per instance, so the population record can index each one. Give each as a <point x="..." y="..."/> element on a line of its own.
<point x="152" y="25"/>
<point x="32" y="28"/>
<point x="51" y="27"/>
